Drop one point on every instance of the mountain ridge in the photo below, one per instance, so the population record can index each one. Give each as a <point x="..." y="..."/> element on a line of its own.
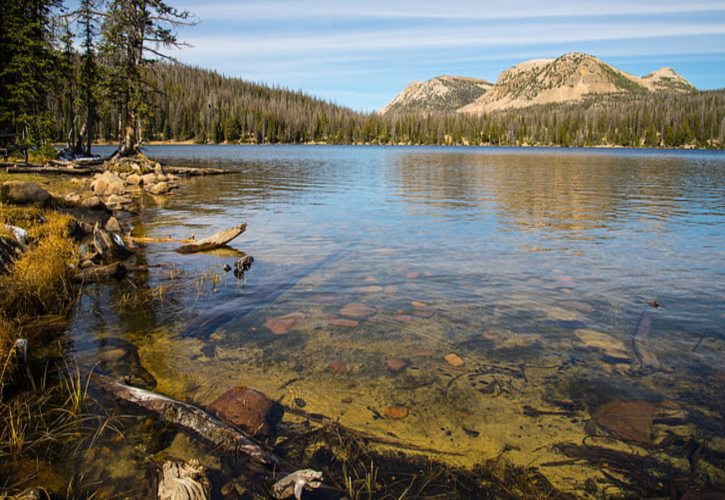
<point x="440" y="93"/>
<point x="568" y="78"/>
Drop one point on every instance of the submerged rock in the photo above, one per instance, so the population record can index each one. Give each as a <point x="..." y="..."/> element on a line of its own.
<point x="248" y="409"/>
<point x="396" y="365"/>
<point x="395" y="412"/>
<point x="607" y="344"/>
<point x="280" y="325"/>
<point x="627" y="420"/>
<point x="358" y="310"/>
<point x="337" y="367"/>
<point x="453" y="359"/>
<point x="343" y="322"/>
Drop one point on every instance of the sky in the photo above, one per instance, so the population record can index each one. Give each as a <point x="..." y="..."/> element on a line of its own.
<point x="362" y="53"/>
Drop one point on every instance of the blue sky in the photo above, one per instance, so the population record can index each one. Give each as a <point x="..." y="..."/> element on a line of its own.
<point x="361" y="54"/>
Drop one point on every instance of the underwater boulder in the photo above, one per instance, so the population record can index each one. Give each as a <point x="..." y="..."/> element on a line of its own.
<point x="248" y="409"/>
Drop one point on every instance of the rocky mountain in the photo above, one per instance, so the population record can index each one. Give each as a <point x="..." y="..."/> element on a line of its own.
<point x="442" y="93"/>
<point x="569" y="78"/>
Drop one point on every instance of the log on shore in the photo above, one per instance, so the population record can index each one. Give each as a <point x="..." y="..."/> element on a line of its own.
<point x="215" y="241"/>
<point x="53" y="170"/>
<point x="193" y="419"/>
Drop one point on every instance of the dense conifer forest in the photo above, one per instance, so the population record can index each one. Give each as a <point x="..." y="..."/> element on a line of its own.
<point x="92" y="74"/>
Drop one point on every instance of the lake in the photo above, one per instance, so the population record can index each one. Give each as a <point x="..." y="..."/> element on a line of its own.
<point x="548" y="306"/>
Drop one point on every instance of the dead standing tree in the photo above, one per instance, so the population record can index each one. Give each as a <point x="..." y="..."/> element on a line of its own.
<point x="135" y="32"/>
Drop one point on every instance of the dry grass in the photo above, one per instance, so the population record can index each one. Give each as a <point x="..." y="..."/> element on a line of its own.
<point x="39" y="281"/>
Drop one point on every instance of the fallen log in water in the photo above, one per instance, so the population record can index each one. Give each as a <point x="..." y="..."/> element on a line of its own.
<point x="255" y="296"/>
<point x="194" y="171"/>
<point x="645" y="357"/>
<point x="215" y="241"/>
<point x="193" y="419"/>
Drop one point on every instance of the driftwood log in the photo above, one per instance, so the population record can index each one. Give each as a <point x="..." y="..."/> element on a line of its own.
<point x="215" y="241"/>
<point x="194" y="171"/>
<point x="54" y="170"/>
<point x="193" y="419"/>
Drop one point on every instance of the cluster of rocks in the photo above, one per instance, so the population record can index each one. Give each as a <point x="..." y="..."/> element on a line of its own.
<point x="116" y="190"/>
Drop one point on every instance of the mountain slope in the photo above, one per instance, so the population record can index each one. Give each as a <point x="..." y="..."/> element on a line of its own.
<point x="568" y="78"/>
<point x="442" y="93"/>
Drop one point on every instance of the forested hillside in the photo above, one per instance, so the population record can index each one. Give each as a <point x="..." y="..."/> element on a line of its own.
<point x="203" y="106"/>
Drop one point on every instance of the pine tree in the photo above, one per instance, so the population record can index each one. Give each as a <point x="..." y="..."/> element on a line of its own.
<point x="131" y="32"/>
<point x="28" y="68"/>
<point x="88" y="80"/>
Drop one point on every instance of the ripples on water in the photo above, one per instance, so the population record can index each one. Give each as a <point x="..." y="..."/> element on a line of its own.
<point x="535" y="267"/>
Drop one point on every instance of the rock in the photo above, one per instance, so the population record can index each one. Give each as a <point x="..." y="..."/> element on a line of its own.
<point x="111" y="355"/>
<point x="118" y="199"/>
<point x="23" y="193"/>
<point x="160" y="188"/>
<point x="248" y="409"/>
<point x="412" y="275"/>
<point x="133" y="179"/>
<point x="337" y="367"/>
<point x="419" y="305"/>
<point x="358" y="310"/>
<point x="559" y="314"/>
<point x="406" y="318"/>
<point x="99" y="186"/>
<point x="369" y="289"/>
<point x="453" y="359"/>
<point x="395" y="412"/>
<point x="627" y="420"/>
<point x="423" y="313"/>
<point x="396" y="365"/>
<point x="93" y="203"/>
<point x="148" y="179"/>
<point x="115" y="187"/>
<point x="342" y="322"/>
<point x="607" y="344"/>
<point x="113" y="226"/>
<point x="390" y="290"/>
<point x="282" y="324"/>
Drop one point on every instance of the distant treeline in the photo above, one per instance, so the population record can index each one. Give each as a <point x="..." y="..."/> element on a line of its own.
<point x="205" y="107"/>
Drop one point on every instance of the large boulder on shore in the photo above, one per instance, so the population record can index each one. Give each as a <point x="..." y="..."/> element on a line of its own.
<point x="248" y="409"/>
<point x="23" y="193"/>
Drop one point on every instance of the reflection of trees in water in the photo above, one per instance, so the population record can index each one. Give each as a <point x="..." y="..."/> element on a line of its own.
<point x="547" y="191"/>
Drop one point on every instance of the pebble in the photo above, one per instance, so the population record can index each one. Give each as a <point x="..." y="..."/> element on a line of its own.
<point x="453" y="359"/>
<point x="395" y="412"/>
<point x="344" y="323"/>
<point x="396" y="365"/>
<point x="358" y="310"/>
<point x="413" y="275"/>
<point x="369" y="289"/>
<point x="337" y="367"/>
<point x="282" y="324"/>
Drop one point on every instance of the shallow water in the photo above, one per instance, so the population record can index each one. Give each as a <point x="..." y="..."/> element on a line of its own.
<point x="535" y="267"/>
